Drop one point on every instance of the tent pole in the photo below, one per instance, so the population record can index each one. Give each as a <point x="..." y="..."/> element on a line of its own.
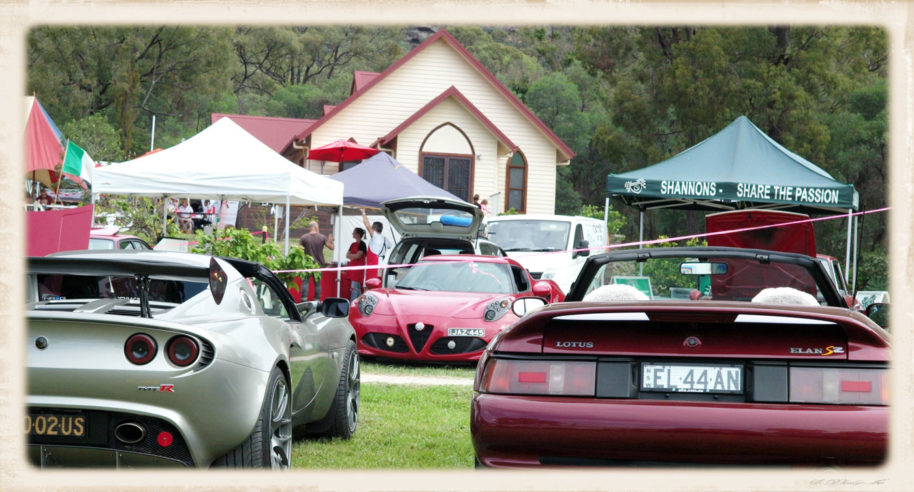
<point x="847" y="257"/>
<point x="336" y="248"/>
<point x="164" y="215"/>
<point x="606" y="220"/>
<point x="275" y="223"/>
<point x="641" y="240"/>
<point x="853" y="287"/>
<point x="287" y="225"/>
<point x="641" y="227"/>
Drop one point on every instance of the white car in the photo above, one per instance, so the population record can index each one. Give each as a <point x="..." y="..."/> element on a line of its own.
<point x="550" y="247"/>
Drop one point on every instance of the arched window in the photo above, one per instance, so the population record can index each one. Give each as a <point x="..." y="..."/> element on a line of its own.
<point x="516" y="183"/>
<point x="447" y="160"/>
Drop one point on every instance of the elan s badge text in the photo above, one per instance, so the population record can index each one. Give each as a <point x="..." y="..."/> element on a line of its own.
<point x="830" y="350"/>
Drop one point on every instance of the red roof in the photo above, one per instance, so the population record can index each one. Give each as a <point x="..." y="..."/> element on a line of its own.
<point x="328" y="108"/>
<point x="276" y="133"/>
<point x="445" y="36"/>
<point x="456" y="94"/>
<point x="360" y="79"/>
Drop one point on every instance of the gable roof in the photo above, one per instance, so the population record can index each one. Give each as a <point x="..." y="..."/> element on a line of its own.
<point x="445" y="36"/>
<point x="360" y="79"/>
<point x="460" y="98"/>
<point x="276" y="133"/>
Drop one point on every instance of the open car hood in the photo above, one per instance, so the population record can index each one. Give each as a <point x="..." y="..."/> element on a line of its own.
<point x="433" y="217"/>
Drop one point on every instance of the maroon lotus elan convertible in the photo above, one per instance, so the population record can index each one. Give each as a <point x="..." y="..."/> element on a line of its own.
<point x="446" y="308"/>
<point x="685" y="356"/>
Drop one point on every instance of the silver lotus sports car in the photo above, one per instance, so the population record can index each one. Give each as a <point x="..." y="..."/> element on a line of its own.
<point x="153" y="358"/>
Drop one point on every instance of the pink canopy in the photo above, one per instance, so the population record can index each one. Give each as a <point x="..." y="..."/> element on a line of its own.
<point x="43" y="150"/>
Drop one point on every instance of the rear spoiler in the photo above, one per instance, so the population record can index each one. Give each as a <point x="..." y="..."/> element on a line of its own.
<point x="112" y="266"/>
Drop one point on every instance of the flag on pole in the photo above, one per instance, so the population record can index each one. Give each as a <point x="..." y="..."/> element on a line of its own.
<point x="77" y="163"/>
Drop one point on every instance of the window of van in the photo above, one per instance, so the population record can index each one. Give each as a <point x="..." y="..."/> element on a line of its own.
<point x="530" y="235"/>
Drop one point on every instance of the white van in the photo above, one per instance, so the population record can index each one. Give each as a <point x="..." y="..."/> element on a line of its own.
<point x="545" y="244"/>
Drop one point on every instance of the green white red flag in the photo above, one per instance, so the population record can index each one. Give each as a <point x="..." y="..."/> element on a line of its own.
<point x="77" y="163"/>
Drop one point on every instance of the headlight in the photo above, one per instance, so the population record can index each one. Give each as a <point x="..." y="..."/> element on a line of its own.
<point x="496" y="309"/>
<point x="367" y="303"/>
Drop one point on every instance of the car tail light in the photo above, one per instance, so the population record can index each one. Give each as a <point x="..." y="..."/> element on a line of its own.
<point x="182" y="350"/>
<point x="569" y="378"/>
<point x="841" y="386"/>
<point x="140" y="348"/>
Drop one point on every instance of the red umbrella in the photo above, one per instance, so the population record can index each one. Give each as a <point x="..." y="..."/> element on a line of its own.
<point x="43" y="150"/>
<point x="341" y="151"/>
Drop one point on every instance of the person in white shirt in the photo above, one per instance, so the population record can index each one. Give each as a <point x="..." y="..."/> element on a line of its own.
<point x="378" y="246"/>
<point x="185" y="216"/>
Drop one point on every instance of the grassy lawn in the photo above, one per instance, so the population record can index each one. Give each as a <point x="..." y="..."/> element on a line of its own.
<point x="400" y="427"/>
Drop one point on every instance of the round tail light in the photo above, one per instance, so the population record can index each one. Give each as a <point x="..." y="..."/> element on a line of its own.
<point x="182" y="350"/>
<point x="140" y="348"/>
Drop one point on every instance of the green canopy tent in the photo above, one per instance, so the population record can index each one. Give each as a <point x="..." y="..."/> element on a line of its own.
<point x="736" y="168"/>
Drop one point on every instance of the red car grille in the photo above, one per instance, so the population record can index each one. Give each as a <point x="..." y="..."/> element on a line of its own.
<point x="419" y="337"/>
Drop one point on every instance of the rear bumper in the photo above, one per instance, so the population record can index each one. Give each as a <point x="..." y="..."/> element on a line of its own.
<point x="519" y="431"/>
<point x="53" y="456"/>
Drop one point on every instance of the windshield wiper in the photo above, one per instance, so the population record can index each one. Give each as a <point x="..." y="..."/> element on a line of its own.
<point x="406" y="287"/>
<point x="520" y="249"/>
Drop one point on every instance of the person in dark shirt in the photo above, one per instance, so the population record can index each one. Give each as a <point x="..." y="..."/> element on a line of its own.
<point x="314" y="242"/>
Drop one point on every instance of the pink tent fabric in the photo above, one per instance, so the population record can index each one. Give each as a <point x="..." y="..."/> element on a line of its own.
<point x="42" y="147"/>
<point x="50" y="231"/>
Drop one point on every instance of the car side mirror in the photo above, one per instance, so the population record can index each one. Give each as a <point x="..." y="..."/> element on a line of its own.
<point x="524" y="305"/>
<point x="583" y="244"/>
<point x="335" y="307"/>
<point x="879" y="313"/>
<point x="542" y="289"/>
<point x="372" y="283"/>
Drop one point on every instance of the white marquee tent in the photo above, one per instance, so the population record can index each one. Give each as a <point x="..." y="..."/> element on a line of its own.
<point x="223" y="162"/>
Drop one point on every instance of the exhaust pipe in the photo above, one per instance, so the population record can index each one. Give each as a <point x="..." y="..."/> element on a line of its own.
<point x="129" y="432"/>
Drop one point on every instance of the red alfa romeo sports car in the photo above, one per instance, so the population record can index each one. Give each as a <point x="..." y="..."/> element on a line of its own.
<point x="446" y="308"/>
<point x="685" y="356"/>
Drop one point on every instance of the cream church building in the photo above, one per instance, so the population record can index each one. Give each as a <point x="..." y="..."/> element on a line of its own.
<point x="444" y="116"/>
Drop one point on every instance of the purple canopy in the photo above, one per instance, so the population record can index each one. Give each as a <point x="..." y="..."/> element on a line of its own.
<point x="381" y="178"/>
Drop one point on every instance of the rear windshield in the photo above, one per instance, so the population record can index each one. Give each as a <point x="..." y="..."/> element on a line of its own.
<point x="431" y="216"/>
<point x="529" y="235"/>
<point x="61" y="287"/>
<point x="99" y="243"/>
<point x="726" y="279"/>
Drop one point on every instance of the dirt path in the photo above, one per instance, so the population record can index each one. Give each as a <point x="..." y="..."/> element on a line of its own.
<point x="415" y="380"/>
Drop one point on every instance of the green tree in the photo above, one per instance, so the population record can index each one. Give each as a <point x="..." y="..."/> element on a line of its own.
<point x="128" y="74"/>
<point x="96" y="136"/>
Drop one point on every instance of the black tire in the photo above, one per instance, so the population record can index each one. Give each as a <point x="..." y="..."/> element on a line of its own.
<point x="270" y="443"/>
<point x="345" y="409"/>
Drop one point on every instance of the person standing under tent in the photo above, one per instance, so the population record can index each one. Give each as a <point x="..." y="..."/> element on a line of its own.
<point x="356" y="256"/>
<point x="378" y="245"/>
<point x="185" y="216"/>
<point x="314" y="242"/>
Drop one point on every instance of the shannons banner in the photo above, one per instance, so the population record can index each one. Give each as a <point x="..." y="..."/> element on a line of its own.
<point x="842" y="197"/>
